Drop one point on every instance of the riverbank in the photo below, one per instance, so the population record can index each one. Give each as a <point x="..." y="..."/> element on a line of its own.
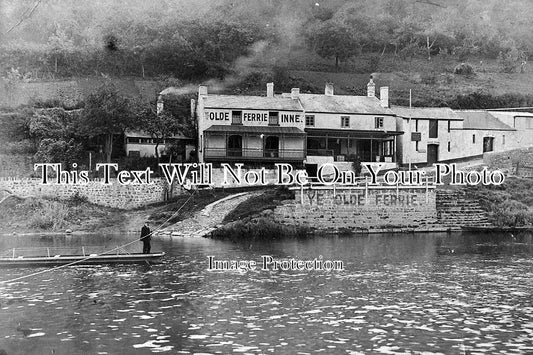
<point x="504" y="209"/>
<point x="76" y="215"/>
<point x="509" y="205"/>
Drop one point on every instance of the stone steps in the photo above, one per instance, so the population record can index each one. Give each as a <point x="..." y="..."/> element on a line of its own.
<point x="455" y="209"/>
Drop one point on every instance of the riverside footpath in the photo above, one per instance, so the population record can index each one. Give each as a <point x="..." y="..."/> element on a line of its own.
<point x="208" y="219"/>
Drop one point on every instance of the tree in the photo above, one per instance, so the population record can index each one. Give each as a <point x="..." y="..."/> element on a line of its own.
<point x="333" y="39"/>
<point x="60" y="45"/>
<point x="179" y="107"/>
<point x="175" y="119"/>
<point x="53" y="123"/>
<point x="54" y="134"/>
<point x="60" y="150"/>
<point x="509" y="60"/>
<point x="107" y="114"/>
<point x="159" y="126"/>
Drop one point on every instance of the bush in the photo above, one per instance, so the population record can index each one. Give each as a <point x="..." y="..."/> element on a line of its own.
<point x="261" y="228"/>
<point x="507" y="205"/>
<point x="373" y="63"/>
<point x="512" y="213"/>
<point x="429" y="79"/>
<point x="463" y="69"/>
<point x="47" y="214"/>
<point x="77" y="199"/>
<point x="356" y="163"/>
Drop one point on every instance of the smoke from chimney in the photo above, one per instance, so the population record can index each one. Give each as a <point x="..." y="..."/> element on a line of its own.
<point x="384" y="96"/>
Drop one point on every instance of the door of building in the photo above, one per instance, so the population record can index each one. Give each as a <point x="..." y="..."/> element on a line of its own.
<point x="433" y="153"/>
<point x="234" y="146"/>
<point x="271" y="149"/>
<point x="488" y="144"/>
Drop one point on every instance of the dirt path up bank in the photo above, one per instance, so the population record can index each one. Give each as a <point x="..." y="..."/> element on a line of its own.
<point x="208" y="219"/>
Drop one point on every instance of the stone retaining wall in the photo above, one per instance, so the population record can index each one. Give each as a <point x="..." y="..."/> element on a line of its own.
<point x="269" y="174"/>
<point x="357" y="208"/>
<point x="114" y="195"/>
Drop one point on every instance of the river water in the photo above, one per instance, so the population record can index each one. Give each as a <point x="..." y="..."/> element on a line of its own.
<point x="404" y="294"/>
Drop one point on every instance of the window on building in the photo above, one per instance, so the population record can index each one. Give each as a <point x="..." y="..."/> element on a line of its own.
<point x="433" y="128"/>
<point x="416" y="125"/>
<point x="449" y="126"/>
<point x="503" y="139"/>
<point x="388" y="148"/>
<point x="416" y="146"/>
<point x="273" y="118"/>
<point x="345" y="121"/>
<point x="379" y="122"/>
<point x="473" y="139"/>
<point x="310" y="120"/>
<point x="236" y="117"/>
<point x="448" y="145"/>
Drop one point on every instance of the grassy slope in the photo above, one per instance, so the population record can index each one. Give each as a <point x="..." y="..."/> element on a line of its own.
<point x="251" y="219"/>
<point x="39" y="214"/>
<point x="426" y="79"/>
<point x="509" y="205"/>
<point x="50" y="215"/>
<point x="255" y="205"/>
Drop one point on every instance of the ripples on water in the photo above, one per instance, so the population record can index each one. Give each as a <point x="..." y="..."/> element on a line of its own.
<point x="397" y="294"/>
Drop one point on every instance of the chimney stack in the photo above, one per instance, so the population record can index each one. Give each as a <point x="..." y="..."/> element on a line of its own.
<point x="295" y="92"/>
<point x="329" y="89"/>
<point x="270" y="89"/>
<point x="202" y="90"/>
<point x="371" y="88"/>
<point x="384" y="96"/>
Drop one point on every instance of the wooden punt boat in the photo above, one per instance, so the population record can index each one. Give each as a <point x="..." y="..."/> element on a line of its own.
<point x="26" y="257"/>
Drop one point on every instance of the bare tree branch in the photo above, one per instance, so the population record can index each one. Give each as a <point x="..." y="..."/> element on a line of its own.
<point x="428" y="2"/>
<point x="26" y="15"/>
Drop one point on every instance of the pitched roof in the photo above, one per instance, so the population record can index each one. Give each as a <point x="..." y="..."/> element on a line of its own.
<point x="511" y="113"/>
<point x="251" y="102"/>
<point x="443" y="113"/>
<point x="342" y="104"/>
<point x="482" y="120"/>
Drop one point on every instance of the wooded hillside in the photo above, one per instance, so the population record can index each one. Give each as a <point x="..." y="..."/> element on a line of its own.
<point x="199" y="39"/>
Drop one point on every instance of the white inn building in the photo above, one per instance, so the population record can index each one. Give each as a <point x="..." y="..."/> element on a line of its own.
<point x="317" y="128"/>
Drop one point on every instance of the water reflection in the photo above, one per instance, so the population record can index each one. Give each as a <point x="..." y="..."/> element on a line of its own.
<point x="398" y="294"/>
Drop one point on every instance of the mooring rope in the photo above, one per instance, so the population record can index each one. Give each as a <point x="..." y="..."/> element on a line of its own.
<point x="93" y="256"/>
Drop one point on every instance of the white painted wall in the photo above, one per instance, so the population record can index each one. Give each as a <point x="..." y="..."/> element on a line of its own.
<point x="461" y="141"/>
<point x="407" y="148"/>
<point x="357" y="122"/>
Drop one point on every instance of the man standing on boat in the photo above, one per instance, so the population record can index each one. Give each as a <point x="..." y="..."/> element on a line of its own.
<point x="146" y="236"/>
